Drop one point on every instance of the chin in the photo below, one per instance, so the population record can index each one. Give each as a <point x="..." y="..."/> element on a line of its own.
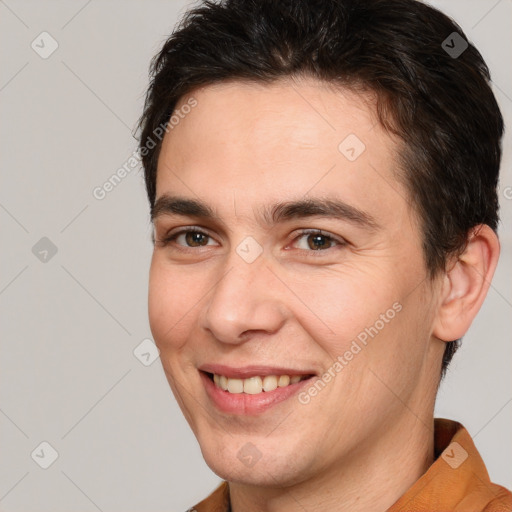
<point x="248" y="467"/>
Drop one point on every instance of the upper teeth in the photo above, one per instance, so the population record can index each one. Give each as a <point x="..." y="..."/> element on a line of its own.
<point x="255" y="385"/>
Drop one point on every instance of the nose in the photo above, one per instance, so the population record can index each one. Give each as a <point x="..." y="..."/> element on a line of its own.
<point x="245" y="299"/>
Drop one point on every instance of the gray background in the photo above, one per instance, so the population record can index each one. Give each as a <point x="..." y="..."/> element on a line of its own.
<point x="70" y="325"/>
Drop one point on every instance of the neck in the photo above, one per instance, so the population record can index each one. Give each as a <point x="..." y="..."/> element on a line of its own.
<point x="371" y="479"/>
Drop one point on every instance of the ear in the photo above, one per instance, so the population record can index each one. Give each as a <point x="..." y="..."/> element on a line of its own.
<point x="465" y="284"/>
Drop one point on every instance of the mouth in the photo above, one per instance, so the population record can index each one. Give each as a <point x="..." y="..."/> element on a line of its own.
<point x="251" y="391"/>
<point x="256" y="384"/>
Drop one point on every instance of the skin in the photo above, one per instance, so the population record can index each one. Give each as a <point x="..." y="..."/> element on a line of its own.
<point x="366" y="437"/>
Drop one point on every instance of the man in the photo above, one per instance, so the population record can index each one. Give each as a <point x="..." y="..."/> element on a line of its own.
<point x="322" y="180"/>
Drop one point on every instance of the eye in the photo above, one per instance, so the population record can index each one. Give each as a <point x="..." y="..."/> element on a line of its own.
<point x="311" y="240"/>
<point x="316" y="240"/>
<point x="188" y="238"/>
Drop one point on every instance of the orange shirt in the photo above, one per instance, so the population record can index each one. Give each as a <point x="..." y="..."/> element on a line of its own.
<point x="457" y="481"/>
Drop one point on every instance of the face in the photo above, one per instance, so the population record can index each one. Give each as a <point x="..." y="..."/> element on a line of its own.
<point x="288" y="268"/>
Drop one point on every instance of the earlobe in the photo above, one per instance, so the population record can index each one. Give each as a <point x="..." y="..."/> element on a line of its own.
<point x="466" y="283"/>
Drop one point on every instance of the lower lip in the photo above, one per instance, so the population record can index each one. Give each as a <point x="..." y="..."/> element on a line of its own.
<point x="246" y="404"/>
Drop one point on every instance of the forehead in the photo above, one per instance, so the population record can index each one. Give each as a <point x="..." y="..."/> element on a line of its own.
<point x="258" y="141"/>
<point x="303" y="114"/>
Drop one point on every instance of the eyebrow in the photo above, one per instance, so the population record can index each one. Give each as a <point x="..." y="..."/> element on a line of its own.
<point x="270" y="214"/>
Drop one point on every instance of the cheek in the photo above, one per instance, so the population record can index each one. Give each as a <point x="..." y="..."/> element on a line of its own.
<point x="171" y="300"/>
<point x="345" y="306"/>
<point x="393" y="343"/>
<point x="372" y="337"/>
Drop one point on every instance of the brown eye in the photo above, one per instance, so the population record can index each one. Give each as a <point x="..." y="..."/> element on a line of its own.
<point x="188" y="238"/>
<point x="316" y="241"/>
<point x="196" y="238"/>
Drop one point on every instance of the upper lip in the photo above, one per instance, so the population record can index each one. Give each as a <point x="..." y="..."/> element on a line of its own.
<point x="245" y="372"/>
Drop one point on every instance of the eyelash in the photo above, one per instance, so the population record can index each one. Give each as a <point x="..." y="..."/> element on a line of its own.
<point x="339" y="241"/>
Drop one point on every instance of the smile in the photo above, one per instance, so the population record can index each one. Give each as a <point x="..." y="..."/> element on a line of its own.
<point x="251" y="390"/>
<point x="257" y="384"/>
